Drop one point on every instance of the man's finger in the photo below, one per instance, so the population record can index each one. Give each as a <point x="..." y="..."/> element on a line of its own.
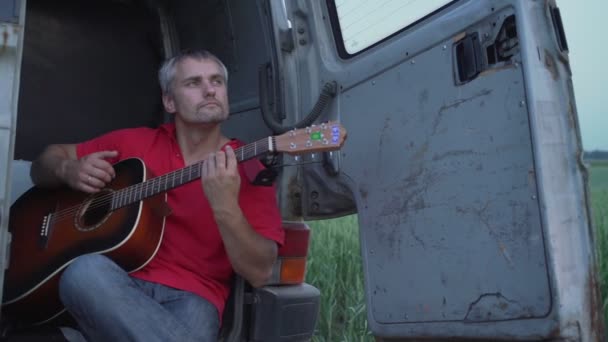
<point x="87" y="188"/>
<point x="230" y="158"/>
<point x="105" y="167"/>
<point x="95" y="182"/>
<point x="105" y="154"/>
<point x="220" y="159"/>
<point x="211" y="164"/>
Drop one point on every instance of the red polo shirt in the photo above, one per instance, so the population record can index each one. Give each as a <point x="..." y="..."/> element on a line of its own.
<point x="191" y="256"/>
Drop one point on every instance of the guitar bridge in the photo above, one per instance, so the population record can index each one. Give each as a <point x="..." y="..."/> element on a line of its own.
<point x="43" y="239"/>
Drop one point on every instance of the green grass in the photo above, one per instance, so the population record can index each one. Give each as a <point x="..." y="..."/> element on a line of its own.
<point x="599" y="200"/>
<point x="334" y="266"/>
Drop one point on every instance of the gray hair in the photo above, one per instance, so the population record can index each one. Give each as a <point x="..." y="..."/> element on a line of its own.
<point x="166" y="73"/>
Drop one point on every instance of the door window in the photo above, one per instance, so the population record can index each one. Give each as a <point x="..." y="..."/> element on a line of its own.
<point x="361" y="23"/>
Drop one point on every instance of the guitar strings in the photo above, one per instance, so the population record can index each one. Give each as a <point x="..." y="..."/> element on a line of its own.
<point x="247" y="151"/>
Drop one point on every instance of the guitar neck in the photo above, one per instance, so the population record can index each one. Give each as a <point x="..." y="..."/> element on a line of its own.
<point x="157" y="185"/>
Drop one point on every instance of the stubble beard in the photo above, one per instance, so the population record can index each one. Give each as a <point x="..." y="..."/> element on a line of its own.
<point x="211" y="115"/>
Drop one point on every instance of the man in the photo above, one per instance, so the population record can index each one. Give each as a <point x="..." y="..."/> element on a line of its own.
<point x="219" y="225"/>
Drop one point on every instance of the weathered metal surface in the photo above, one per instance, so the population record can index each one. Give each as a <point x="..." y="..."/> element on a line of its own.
<point x="472" y="203"/>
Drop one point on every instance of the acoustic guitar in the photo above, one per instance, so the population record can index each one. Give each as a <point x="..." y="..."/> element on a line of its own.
<point x="124" y="221"/>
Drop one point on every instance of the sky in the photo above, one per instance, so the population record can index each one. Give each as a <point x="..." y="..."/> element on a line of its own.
<point x="584" y="23"/>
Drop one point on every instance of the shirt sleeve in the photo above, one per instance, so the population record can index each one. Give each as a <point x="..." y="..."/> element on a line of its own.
<point x="111" y="141"/>
<point x="260" y="207"/>
<point x="259" y="203"/>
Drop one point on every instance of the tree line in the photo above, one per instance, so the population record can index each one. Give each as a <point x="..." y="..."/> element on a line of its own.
<point x="596" y="155"/>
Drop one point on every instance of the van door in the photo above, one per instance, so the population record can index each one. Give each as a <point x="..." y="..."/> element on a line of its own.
<point x="463" y="161"/>
<point x="12" y="16"/>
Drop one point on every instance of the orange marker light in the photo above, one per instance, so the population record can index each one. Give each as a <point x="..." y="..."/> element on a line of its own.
<point x="293" y="270"/>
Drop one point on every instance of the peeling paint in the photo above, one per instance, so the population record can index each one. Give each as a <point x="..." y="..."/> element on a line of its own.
<point x="455" y="153"/>
<point x="493" y="306"/>
<point x="385" y="128"/>
<point x="483" y="218"/>
<point x="456" y="104"/>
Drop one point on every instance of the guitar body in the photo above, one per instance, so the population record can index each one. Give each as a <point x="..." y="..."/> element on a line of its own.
<point x="50" y="228"/>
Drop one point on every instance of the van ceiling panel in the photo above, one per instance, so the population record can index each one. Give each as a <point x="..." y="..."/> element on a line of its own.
<point x="88" y="67"/>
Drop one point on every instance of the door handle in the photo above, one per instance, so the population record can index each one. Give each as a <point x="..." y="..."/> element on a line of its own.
<point x="468" y="58"/>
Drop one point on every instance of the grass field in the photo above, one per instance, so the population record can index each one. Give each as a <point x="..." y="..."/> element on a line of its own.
<point x="334" y="266"/>
<point x="599" y="200"/>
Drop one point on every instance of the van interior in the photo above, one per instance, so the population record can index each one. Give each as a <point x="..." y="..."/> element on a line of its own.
<point x="89" y="67"/>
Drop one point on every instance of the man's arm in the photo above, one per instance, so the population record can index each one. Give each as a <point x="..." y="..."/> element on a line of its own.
<point x="59" y="165"/>
<point x="251" y="254"/>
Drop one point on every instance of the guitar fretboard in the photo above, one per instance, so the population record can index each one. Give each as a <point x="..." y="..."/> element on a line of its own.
<point x="154" y="186"/>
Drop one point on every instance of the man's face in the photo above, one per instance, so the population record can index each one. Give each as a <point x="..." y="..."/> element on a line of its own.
<point x="198" y="93"/>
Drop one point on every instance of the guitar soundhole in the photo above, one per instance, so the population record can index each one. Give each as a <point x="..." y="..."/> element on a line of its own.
<point x="94" y="211"/>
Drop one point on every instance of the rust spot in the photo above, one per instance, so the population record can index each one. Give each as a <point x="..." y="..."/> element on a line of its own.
<point x="551" y="65"/>
<point x="363" y="191"/>
<point x="295" y="197"/>
<point x="459" y="36"/>
<point x="571" y="115"/>
<point x="555" y="333"/>
<point x="494" y="70"/>
<point x="4" y="40"/>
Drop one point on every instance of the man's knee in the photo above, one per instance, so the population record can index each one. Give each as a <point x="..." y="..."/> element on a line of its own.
<point x="84" y="273"/>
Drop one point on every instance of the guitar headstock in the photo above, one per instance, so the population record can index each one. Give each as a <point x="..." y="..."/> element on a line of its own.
<point x="323" y="137"/>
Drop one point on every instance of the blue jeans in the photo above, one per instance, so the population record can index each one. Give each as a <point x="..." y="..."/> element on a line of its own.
<point x="110" y="305"/>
